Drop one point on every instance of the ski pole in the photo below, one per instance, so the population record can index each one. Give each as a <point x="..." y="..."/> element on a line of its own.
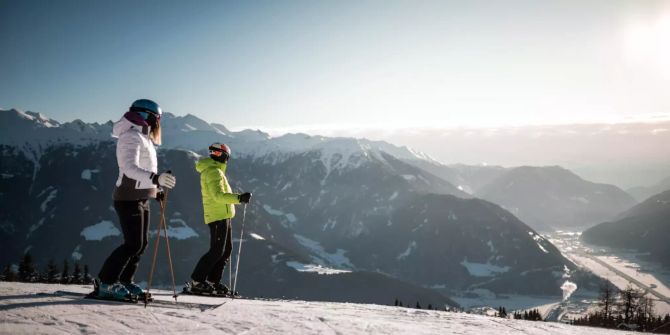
<point x="169" y="254"/>
<point x="230" y="267"/>
<point x="239" y="251"/>
<point x="158" y="240"/>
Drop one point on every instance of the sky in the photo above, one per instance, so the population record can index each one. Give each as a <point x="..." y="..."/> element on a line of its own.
<point x="320" y="66"/>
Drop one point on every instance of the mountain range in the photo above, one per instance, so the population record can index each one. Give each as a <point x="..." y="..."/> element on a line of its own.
<point x="550" y="198"/>
<point x="340" y="212"/>
<point x="644" y="228"/>
<point x="642" y="193"/>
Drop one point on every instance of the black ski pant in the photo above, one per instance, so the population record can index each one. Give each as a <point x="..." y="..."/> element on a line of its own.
<point x="210" y="267"/>
<point x="122" y="263"/>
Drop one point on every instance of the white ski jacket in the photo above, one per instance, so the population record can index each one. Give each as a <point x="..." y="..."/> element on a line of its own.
<point x="136" y="157"/>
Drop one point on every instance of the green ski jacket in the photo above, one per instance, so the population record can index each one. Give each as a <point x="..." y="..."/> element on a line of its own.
<point x="217" y="197"/>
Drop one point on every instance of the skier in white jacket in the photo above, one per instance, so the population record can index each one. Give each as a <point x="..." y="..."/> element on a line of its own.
<point x="138" y="132"/>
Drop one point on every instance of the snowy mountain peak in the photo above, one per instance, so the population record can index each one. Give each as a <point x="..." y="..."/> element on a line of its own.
<point x="42" y="119"/>
<point x="193" y="133"/>
<point x="16" y="117"/>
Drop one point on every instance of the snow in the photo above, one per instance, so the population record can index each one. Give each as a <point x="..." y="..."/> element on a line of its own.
<point x="275" y="212"/>
<point x="393" y="196"/>
<point x="34" y="227"/>
<point x="286" y="186"/>
<point x="321" y="256"/>
<point x="538" y="239"/>
<point x="180" y="233"/>
<point x="256" y="236"/>
<point x="452" y="216"/>
<point x="482" y="297"/>
<point x="330" y="224"/>
<point x="99" y="231"/>
<point x="334" y="153"/>
<point x="483" y="270"/>
<point x="86" y="173"/>
<point x="40" y="309"/>
<point x="408" y="251"/>
<point x="492" y="248"/>
<point x="76" y="254"/>
<point x="580" y="199"/>
<point x="315" y="268"/>
<point x="51" y="196"/>
<point x="275" y="256"/>
<point x="621" y="269"/>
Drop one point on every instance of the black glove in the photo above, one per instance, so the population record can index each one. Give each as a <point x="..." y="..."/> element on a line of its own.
<point x="160" y="196"/>
<point x="245" y="197"/>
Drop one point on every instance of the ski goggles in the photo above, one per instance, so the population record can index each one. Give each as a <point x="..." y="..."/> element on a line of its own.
<point x="219" y="150"/>
<point x="147" y="115"/>
<point x="217" y="153"/>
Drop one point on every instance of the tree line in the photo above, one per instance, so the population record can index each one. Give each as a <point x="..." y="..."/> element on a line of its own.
<point x="630" y="309"/>
<point x="28" y="272"/>
<point x="398" y="303"/>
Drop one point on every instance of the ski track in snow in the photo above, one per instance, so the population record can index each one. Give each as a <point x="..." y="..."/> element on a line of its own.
<point x="36" y="308"/>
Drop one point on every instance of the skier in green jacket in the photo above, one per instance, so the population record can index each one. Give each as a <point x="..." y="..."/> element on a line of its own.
<point x="219" y="202"/>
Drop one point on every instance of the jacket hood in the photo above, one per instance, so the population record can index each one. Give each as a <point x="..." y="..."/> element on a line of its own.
<point x="129" y="122"/>
<point x="207" y="162"/>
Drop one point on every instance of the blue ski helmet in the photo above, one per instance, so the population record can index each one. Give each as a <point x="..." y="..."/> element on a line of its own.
<point x="143" y="106"/>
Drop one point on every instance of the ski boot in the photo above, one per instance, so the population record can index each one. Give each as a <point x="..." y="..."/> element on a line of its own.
<point x="137" y="292"/>
<point x="220" y="289"/>
<point x="116" y="291"/>
<point x="199" y="288"/>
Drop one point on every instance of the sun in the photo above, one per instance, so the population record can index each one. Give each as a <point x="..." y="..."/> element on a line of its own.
<point x="648" y="44"/>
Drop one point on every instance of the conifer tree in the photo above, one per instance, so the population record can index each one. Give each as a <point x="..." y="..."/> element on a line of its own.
<point x="51" y="272"/>
<point x="26" y="268"/>
<point x="87" y="276"/>
<point x="65" y="275"/>
<point x="629" y="303"/>
<point x="8" y="273"/>
<point x="607" y="299"/>
<point x="76" y="274"/>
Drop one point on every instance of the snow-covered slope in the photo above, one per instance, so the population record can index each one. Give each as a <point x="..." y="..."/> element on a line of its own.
<point x="44" y="309"/>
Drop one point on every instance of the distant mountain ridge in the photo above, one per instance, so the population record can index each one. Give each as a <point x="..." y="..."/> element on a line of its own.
<point x="318" y="201"/>
<point x="642" y="193"/>
<point x="645" y="227"/>
<point x="552" y="197"/>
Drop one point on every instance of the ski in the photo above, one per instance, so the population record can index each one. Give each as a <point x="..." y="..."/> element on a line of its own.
<point x="227" y="295"/>
<point x="128" y="299"/>
<point x="158" y="302"/>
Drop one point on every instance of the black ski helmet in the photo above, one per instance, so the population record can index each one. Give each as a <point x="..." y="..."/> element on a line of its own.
<point x="219" y="152"/>
<point x="148" y="110"/>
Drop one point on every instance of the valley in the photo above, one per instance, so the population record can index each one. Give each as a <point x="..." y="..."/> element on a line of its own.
<point x="622" y="268"/>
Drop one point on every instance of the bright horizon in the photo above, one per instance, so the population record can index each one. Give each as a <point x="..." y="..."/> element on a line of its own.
<point x="319" y="67"/>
